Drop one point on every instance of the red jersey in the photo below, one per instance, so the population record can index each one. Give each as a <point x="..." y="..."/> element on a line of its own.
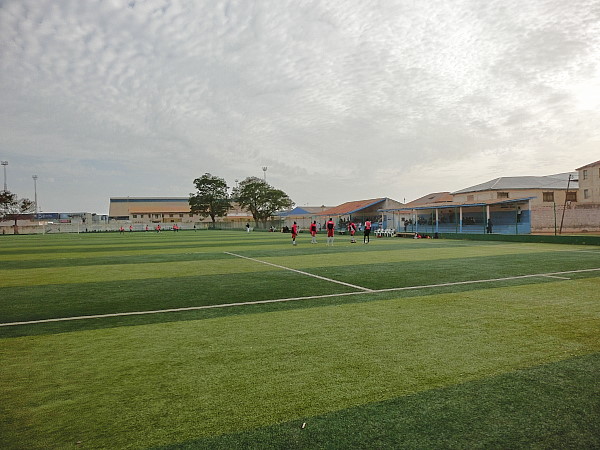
<point x="330" y="228"/>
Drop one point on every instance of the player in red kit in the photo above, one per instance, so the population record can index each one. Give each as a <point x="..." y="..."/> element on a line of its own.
<point x="313" y="232"/>
<point x="367" y="232"/>
<point x="294" y="233"/>
<point x="330" y="226"/>
<point x="352" y="231"/>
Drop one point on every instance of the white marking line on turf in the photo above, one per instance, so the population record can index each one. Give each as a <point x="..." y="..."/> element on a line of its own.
<point x="189" y="308"/>
<point x="301" y="272"/>
<point x="558" y="278"/>
<point x="291" y="299"/>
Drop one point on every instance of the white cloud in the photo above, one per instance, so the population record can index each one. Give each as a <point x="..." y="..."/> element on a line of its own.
<point x="341" y="100"/>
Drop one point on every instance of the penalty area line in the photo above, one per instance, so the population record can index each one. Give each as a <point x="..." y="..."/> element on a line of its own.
<point x="302" y="272"/>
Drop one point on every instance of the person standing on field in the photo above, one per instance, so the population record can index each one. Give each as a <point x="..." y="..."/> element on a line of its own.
<point x="330" y="231"/>
<point x="313" y="232"/>
<point x="294" y="233"/>
<point x="366" y="238"/>
<point x="352" y="231"/>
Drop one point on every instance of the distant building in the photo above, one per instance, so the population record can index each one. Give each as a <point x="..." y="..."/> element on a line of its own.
<point x="154" y="210"/>
<point x="378" y="210"/>
<point x="302" y="215"/>
<point x="589" y="183"/>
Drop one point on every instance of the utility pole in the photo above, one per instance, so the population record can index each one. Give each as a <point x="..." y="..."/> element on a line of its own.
<point x="565" y="205"/>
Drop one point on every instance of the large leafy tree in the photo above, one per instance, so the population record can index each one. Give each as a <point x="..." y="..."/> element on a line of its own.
<point x="14" y="208"/>
<point x="211" y="198"/>
<point x="261" y="199"/>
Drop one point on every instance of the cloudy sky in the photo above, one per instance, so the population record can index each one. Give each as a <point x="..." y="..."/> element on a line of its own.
<point x="340" y="100"/>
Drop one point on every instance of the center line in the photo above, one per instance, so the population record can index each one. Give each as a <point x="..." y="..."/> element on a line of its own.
<point x="301" y="272"/>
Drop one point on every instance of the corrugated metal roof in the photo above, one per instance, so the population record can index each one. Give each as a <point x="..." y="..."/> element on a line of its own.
<point x="436" y="197"/>
<point x="457" y="204"/>
<point x="558" y="181"/>
<point x="351" y="207"/>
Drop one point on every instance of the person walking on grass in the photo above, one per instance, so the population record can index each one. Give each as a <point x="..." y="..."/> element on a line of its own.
<point x="313" y="232"/>
<point x="366" y="238"/>
<point x="330" y="231"/>
<point x="294" y="233"/>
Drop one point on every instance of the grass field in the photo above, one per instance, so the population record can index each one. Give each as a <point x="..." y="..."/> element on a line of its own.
<point x="219" y="339"/>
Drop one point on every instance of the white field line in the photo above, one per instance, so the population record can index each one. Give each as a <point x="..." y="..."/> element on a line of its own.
<point x="290" y="299"/>
<point x="301" y="272"/>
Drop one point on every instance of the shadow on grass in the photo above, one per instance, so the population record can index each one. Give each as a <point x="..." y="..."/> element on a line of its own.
<point x="551" y="406"/>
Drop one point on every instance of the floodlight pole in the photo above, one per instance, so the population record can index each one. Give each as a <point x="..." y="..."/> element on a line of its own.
<point x="4" y="164"/>
<point x="35" y="193"/>
<point x="265" y="172"/>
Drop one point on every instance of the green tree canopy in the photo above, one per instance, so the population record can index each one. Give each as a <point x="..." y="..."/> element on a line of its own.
<point x="261" y="199"/>
<point x="211" y="198"/>
<point x="13" y="208"/>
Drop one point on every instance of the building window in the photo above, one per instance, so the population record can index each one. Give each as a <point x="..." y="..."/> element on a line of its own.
<point x="502" y="194"/>
<point x="571" y="196"/>
<point x="548" y="196"/>
<point x="180" y="215"/>
<point x="585" y="174"/>
<point x="135" y="216"/>
<point x="170" y="215"/>
<point x="191" y="215"/>
<point x="586" y="193"/>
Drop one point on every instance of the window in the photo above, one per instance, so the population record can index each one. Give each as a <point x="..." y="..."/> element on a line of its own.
<point x="586" y="193"/>
<point x="191" y="215"/>
<point x="548" y="196"/>
<point x="585" y="174"/>
<point x="135" y="216"/>
<point x="571" y="196"/>
<point x="170" y="215"/>
<point x="502" y="194"/>
<point x="180" y="215"/>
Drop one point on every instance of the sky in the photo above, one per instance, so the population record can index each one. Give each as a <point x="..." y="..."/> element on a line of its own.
<point x="340" y="100"/>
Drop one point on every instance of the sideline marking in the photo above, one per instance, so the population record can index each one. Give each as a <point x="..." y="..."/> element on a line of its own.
<point x="301" y="272"/>
<point x="290" y="299"/>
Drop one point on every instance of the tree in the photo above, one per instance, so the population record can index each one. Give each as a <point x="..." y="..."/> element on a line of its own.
<point x="261" y="199"/>
<point x="211" y="198"/>
<point x="13" y="208"/>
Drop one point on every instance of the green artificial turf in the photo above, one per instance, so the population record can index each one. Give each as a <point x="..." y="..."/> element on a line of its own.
<point x="494" y="365"/>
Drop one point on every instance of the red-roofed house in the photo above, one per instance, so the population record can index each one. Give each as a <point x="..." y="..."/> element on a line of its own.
<point x="361" y="210"/>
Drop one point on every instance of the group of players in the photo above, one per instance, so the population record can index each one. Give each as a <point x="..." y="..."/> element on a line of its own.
<point x="330" y="228"/>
